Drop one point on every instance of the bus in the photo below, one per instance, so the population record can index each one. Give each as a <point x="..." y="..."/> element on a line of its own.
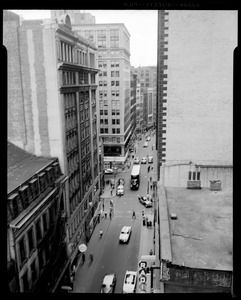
<point x="135" y="177"/>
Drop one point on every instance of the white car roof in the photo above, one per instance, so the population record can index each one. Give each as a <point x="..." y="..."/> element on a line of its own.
<point x="125" y="228"/>
<point x="108" y="279"/>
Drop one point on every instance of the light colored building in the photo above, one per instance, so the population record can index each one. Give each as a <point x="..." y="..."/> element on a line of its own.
<point x="52" y="111"/>
<point x="195" y="86"/>
<point x="113" y="94"/>
<point x="76" y="16"/>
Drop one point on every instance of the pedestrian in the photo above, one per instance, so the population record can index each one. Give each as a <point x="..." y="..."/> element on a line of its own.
<point x="98" y="217"/>
<point x="150" y="179"/>
<point x="111" y="192"/>
<point x="151" y="252"/>
<point x="105" y="214"/>
<point x="83" y="257"/>
<point x="133" y="215"/>
<point x="110" y="214"/>
<point x="143" y="213"/>
<point x="151" y="186"/>
<point x="148" y="169"/>
<point x="103" y="205"/>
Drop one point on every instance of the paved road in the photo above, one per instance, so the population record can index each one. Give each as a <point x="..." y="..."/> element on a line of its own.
<point x="109" y="255"/>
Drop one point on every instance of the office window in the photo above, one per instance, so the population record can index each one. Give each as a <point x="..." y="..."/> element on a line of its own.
<point x="22" y="250"/>
<point x="113" y="121"/>
<point x="102" y="130"/>
<point x="100" y="83"/>
<point x="112" y="83"/>
<point x="117" y="83"/>
<point x="106" y="112"/>
<point x="101" y="112"/>
<point x="105" y="102"/>
<point x="30" y="239"/>
<point x="117" y="112"/>
<point x="113" y="130"/>
<point x="104" y="73"/>
<point x="117" y="130"/>
<point x="113" y="112"/>
<point x="33" y="271"/>
<point x="104" y="83"/>
<point x="106" y="130"/>
<point x="38" y="230"/>
<point x="106" y="122"/>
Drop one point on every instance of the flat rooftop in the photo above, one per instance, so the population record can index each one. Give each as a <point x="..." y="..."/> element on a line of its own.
<point x="23" y="165"/>
<point x="202" y="234"/>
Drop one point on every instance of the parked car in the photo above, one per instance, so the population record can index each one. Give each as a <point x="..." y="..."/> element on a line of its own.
<point x="121" y="181"/>
<point x="109" y="171"/>
<point x="125" y="234"/>
<point x="136" y="160"/>
<point x="130" y="279"/>
<point x="150" y="160"/>
<point x="120" y="190"/>
<point x="148" y="139"/>
<point x="108" y="283"/>
<point x="143" y="160"/>
<point x="145" y="144"/>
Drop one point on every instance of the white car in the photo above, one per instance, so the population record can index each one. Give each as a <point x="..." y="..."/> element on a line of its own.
<point x="148" y="138"/>
<point x="120" y="190"/>
<point x="129" y="285"/>
<point x="150" y="160"/>
<point x="125" y="234"/>
<point x="145" y="144"/>
<point x="108" y="283"/>
<point x="136" y="160"/>
<point x="143" y="160"/>
<point x="109" y="171"/>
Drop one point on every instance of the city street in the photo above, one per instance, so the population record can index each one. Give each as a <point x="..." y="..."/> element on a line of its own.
<point x="109" y="255"/>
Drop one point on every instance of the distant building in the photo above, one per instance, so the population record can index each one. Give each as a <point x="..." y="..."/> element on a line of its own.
<point x="52" y="111"/>
<point x="76" y="16"/>
<point x="36" y="233"/>
<point x="195" y="87"/>
<point x="113" y="94"/>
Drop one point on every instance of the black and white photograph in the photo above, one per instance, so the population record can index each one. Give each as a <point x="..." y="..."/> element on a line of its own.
<point x="120" y="149"/>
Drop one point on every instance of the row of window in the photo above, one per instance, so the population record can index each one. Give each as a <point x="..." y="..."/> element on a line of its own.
<point x="114" y="112"/>
<point x="113" y="64"/>
<point x="108" y="139"/>
<point x="111" y="53"/>
<point x="106" y="131"/>
<point x="73" y="161"/>
<point x="105" y="121"/>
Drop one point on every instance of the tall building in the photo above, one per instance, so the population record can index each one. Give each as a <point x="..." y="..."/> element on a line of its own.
<point x="36" y="234"/>
<point x="52" y="111"/>
<point x="133" y="100"/>
<point x="146" y="78"/>
<point x="113" y="93"/>
<point x="195" y="87"/>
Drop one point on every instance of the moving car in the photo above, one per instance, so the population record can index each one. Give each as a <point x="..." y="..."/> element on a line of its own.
<point x="136" y="160"/>
<point x="109" y="171"/>
<point x="145" y="144"/>
<point x="129" y="285"/>
<point x="148" y="138"/>
<point x="121" y="181"/>
<point x="150" y="160"/>
<point x="145" y="201"/>
<point x="120" y="190"/>
<point x="143" y="160"/>
<point x="125" y="234"/>
<point x="108" y="283"/>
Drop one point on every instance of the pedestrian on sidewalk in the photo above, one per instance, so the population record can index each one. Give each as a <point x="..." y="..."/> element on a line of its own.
<point x="83" y="258"/>
<point x="103" y="205"/>
<point x="110" y="215"/>
<point x="111" y="191"/>
<point x="150" y="179"/>
<point x="151" y="252"/>
<point x="133" y="215"/>
<point x="105" y="214"/>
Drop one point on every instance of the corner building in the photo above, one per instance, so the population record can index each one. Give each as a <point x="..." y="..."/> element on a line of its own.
<point x="113" y="93"/>
<point x="52" y="110"/>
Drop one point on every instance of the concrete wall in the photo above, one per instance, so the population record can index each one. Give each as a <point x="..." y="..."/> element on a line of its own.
<point x="177" y="175"/>
<point x="200" y="84"/>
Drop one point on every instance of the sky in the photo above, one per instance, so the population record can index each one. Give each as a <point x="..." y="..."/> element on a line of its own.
<point x="141" y="24"/>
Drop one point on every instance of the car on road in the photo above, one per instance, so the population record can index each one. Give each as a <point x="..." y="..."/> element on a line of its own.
<point x="148" y="139"/>
<point x="109" y="171"/>
<point x="143" y="160"/>
<point x="108" y="283"/>
<point x="150" y="160"/>
<point x="120" y="190"/>
<point x="145" y="201"/>
<point x="145" y="145"/>
<point x="121" y="181"/>
<point x="136" y="160"/>
<point x="125" y="234"/>
<point x="130" y="279"/>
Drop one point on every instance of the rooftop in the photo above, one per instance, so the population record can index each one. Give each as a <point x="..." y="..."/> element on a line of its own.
<point x="23" y="165"/>
<point x="202" y="235"/>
